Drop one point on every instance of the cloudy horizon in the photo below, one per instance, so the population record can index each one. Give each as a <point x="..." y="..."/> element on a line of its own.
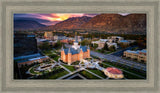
<point x="52" y="18"/>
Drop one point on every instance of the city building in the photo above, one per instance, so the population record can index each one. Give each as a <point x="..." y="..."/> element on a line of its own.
<point x="101" y="43"/>
<point x="115" y="38"/>
<point x="24" y="44"/>
<point x="75" y="53"/>
<point x="113" y="72"/>
<point x="112" y="44"/>
<point x="127" y="42"/>
<point x="56" y="37"/>
<point x="64" y="41"/>
<point x="41" y="41"/>
<point x="139" y="55"/>
<point x="48" y="35"/>
<point x="30" y="59"/>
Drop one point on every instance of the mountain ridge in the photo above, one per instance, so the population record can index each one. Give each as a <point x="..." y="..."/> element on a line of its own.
<point x="110" y="23"/>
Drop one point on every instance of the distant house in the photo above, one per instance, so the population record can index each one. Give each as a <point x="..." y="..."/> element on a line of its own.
<point x="64" y="41"/>
<point x="56" y="37"/>
<point x="48" y="35"/>
<point x="112" y="39"/>
<point x="101" y="43"/>
<point x="41" y="41"/>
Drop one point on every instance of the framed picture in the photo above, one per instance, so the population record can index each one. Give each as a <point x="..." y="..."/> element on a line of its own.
<point x="80" y="46"/>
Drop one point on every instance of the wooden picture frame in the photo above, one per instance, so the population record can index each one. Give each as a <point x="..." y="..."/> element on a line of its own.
<point x="9" y="7"/>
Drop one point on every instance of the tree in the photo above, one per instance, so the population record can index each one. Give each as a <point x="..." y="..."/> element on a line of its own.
<point x="105" y="46"/>
<point x="112" y="48"/>
<point x="95" y="46"/>
<point x="122" y="45"/>
<point x="45" y="46"/>
<point x="58" y="44"/>
<point x="85" y="42"/>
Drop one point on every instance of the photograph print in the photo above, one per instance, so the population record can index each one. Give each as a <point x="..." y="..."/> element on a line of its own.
<point x="80" y="46"/>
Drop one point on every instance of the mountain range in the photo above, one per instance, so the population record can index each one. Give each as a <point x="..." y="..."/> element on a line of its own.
<point x="22" y="24"/>
<point x="111" y="23"/>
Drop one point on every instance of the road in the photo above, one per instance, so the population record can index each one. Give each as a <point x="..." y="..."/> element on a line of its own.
<point x="113" y="58"/>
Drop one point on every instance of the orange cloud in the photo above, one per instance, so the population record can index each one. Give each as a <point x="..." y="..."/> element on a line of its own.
<point x="60" y="16"/>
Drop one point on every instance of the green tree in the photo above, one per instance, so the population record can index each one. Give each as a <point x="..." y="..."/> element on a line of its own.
<point x="95" y="46"/>
<point x="112" y="48"/>
<point x="45" y="46"/>
<point x="58" y="44"/>
<point x="85" y="42"/>
<point x="122" y="45"/>
<point x="105" y="46"/>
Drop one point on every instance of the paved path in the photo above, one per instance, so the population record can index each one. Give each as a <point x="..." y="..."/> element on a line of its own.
<point x="70" y="73"/>
<point x="113" y="58"/>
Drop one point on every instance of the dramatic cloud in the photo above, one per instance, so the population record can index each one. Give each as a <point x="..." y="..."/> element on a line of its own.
<point x="49" y="19"/>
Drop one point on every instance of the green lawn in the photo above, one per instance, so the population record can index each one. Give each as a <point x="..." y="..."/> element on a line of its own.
<point x="75" y="63"/>
<point x="32" y="71"/>
<point x="130" y="76"/>
<point x="57" y="75"/>
<point x="56" y="58"/>
<point x="71" y="68"/>
<point x="98" y="72"/>
<point x="47" y="52"/>
<point x="88" y="75"/>
<point x="103" y="65"/>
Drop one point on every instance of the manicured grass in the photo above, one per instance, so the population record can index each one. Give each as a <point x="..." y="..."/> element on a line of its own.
<point x="57" y="75"/>
<point x="56" y="58"/>
<point x="103" y="65"/>
<point x="130" y="76"/>
<point x="98" y="72"/>
<point x="71" y="68"/>
<point x="32" y="71"/>
<point x="47" y="52"/>
<point x="88" y="75"/>
<point x="75" y="63"/>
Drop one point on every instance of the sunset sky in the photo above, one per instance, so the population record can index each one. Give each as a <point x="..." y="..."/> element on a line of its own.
<point x="52" y="18"/>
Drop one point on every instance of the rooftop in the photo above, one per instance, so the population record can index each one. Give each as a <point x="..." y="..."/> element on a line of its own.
<point x="124" y="41"/>
<point x="74" y="51"/>
<point x="136" y="52"/>
<point x="114" y="70"/>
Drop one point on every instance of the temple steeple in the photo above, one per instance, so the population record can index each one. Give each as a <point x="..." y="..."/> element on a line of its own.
<point x="88" y="47"/>
<point x="62" y="49"/>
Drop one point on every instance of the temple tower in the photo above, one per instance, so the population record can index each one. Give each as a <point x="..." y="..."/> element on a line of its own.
<point x="69" y="57"/>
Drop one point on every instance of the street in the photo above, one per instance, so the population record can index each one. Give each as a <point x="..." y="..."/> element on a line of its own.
<point x="113" y="58"/>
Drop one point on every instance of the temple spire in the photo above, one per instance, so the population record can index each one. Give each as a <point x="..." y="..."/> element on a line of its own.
<point x="88" y="47"/>
<point x="81" y="49"/>
<point x="62" y="49"/>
